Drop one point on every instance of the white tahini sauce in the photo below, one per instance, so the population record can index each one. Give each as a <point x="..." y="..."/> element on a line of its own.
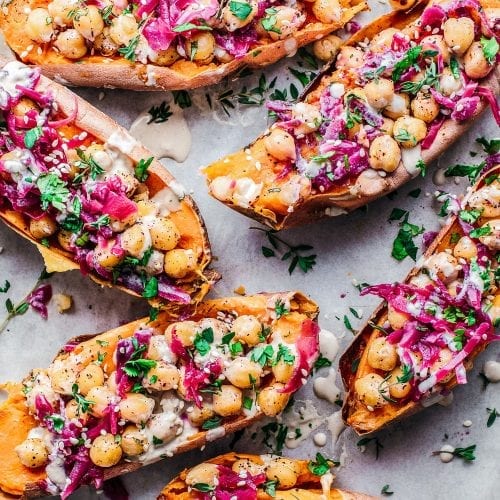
<point x="335" y="425"/>
<point x="12" y="74"/>
<point x="328" y="344"/>
<point x="491" y="370"/>
<point x="446" y="453"/>
<point x="319" y="439"/>
<point x="326" y="388"/>
<point x="439" y="178"/>
<point x="122" y="141"/>
<point x="410" y="158"/>
<point x="168" y="139"/>
<point x="306" y="419"/>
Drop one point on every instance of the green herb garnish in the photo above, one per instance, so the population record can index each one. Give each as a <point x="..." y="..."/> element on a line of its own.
<point x="159" y="114"/>
<point x="321" y="466"/>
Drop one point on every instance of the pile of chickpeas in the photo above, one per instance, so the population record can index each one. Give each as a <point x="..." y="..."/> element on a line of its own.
<point x="136" y="410"/>
<point x="405" y="119"/>
<point x="284" y="470"/>
<point x="446" y="267"/>
<point x="75" y="29"/>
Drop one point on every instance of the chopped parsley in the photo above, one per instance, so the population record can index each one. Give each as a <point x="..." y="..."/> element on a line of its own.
<point x="270" y="487"/>
<point x="321" y="466"/>
<point x="466" y="454"/>
<point x="247" y="403"/>
<point x="211" y="423"/>
<point x="141" y="169"/>
<point x="470" y="216"/>
<point x="403" y="245"/>
<point x="469" y="171"/>
<point x="422" y="167"/>
<point x="82" y="403"/>
<point x="5" y="287"/>
<point x="321" y="362"/>
<point x="262" y="354"/>
<point x="203" y="487"/>
<point x="128" y="52"/>
<point x="268" y="22"/>
<point x="53" y="191"/>
<point x="203" y="340"/>
<point x="57" y="422"/>
<point x="138" y="367"/>
<point x="32" y="136"/>
<point x="490" y="48"/>
<point x="157" y="441"/>
<point x="386" y="490"/>
<point x="190" y="26"/>
<point x="241" y="10"/>
<point x="150" y="288"/>
<point x="274" y="436"/>
<point x="280" y="309"/>
<point x="481" y="231"/>
<point x="284" y="354"/>
<point x="409" y="60"/>
<point x="494" y="413"/>
<point x="236" y="348"/>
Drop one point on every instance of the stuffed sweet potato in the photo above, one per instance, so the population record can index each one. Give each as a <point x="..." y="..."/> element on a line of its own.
<point x="401" y="91"/>
<point x="77" y="185"/>
<point x="111" y="403"/>
<point x="419" y="343"/>
<point x="256" y="477"/>
<point x="160" y="44"/>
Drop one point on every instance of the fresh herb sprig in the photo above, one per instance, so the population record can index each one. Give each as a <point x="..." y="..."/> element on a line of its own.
<point x="293" y="252"/>
<point x="403" y="245"/>
<point x="321" y="466"/>
<point x="160" y="113"/>
<point x="466" y="454"/>
<point x="493" y="414"/>
<point x="83" y="404"/>
<point x="88" y="167"/>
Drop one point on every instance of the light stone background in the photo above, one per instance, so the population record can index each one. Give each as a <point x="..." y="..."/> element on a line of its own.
<point x="354" y="247"/>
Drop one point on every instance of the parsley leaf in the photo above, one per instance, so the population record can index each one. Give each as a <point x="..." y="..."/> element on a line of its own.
<point x="385" y="490"/>
<point x="270" y="487"/>
<point x="403" y="245"/>
<point x="6" y="287"/>
<point x="284" y="354"/>
<point x="493" y="416"/>
<point x="469" y="171"/>
<point x="470" y="216"/>
<point x="32" y="136"/>
<point x="128" y="52"/>
<point x="203" y="340"/>
<point x="141" y="169"/>
<point x="321" y="466"/>
<point x="203" y="487"/>
<point x="262" y="354"/>
<point x="490" y="147"/>
<point x="53" y="191"/>
<point x="57" y="422"/>
<point x="150" y="288"/>
<point x="190" y="26"/>
<point x="322" y="362"/>
<point x="407" y="62"/>
<point x="241" y="10"/>
<point x="490" y="48"/>
<point x="280" y="309"/>
<point x="211" y="423"/>
<point x="82" y="403"/>
<point x="138" y="367"/>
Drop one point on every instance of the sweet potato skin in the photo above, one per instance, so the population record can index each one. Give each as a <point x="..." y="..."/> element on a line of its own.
<point x="354" y="413"/>
<point x="307" y="482"/>
<point x="98" y="71"/>
<point x="14" y="410"/>
<point x="102" y="127"/>
<point x="340" y="200"/>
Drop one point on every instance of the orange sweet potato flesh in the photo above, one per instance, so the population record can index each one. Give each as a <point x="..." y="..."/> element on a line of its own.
<point x="116" y="71"/>
<point x="307" y="488"/>
<point x="16" y="422"/>
<point x="256" y="163"/>
<point x="355" y="413"/>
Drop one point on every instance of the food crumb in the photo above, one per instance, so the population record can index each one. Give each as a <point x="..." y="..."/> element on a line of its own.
<point x="63" y="302"/>
<point x="101" y="95"/>
<point x="240" y="290"/>
<point x="467" y="423"/>
<point x="319" y="439"/>
<point x="446" y="453"/>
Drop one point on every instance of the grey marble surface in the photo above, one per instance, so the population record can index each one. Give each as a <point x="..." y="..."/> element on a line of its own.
<point x="354" y="247"/>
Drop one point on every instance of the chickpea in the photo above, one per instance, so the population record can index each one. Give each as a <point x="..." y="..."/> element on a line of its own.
<point x="185" y="331"/>
<point x="384" y="153"/>
<point x="111" y="382"/>
<point x="487" y="199"/>
<point x="280" y="144"/>
<point x="424" y="107"/>
<point x="396" y="318"/>
<point x="134" y="442"/>
<point x="241" y="372"/>
<point x="105" y="451"/>
<point x="492" y="240"/>
<point x="62" y="378"/>
<point x="105" y="44"/>
<point x="71" y="44"/>
<point x="222" y="187"/>
<point x="309" y="116"/>
<point x="445" y="356"/>
<point x="165" y="426"/>
<point x="397" y="389"/>
<point x="43" y="227"/>
<point x="283" y="470"/>
<point x="179" y="263"/>
<point x="286" y="327"/>
<point x="136" y="407"/>
<point x="453" y="288"/>
<point x="399" y="106"/>
<point x="104" y="256"/>
<point x="123" y="28"/>
<point x="89" y="22"/>
<point x="271" y="401"/>
<point x="442" y="266"/>
<point x="199" y="415"/>
<point x="383" y="40"/>
<point x="166" y="57"/>
<point x="288" y="20"/>
<point x="247" y="465"/>
<point x="233" y="22"/>
<point x="228" y="401"/>
<point x="475" y="64"/>
<point x="61" y="11"/>
<point x="164" y="234"/>
<point x="283" y="371"/>
<point x="459" y="34"/>
<point x="382" y="355"/>
<point x="101" y="397"/>
<point x="409" y="131"/>
<point x="73" y="412"/>
<point x="157" y="348"/>
<point x="91" y="376"/>
<point x="327" y="48"/>
<point x="327" y="11"/>
<point x="370" y="389"/>
<point x="248" y="329"/>
<point x="436" y="43"/>
<point x="201" y="47"/>
<point x="23" y="106"/>
<point x="448" y="84"/>
<point x="379" y="93"/>
<point x="32" y="453"/>
<point x="39" y="26"/>
<point x="350" y="57"/>
<point x="465" y="248"/>
<point x="135" y="240"/>
<point x="162" y="377"/>
<point x="204" y="473"/>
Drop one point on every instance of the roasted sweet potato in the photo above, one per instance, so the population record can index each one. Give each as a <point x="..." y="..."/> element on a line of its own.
<point x="418" y="344"/>
<point x="114" y="402"/>
<point x="90" y="197"/>
<point x="163" y="45"/>
<point x="393" y="101"/>
<point x="255" y="476"/>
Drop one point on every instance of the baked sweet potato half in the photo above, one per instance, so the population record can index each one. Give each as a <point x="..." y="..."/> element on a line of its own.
<point x="114" y="402"/>
<point x="256" y="477"/>
<point x="401" y="91"/>
<point x="90" y="197"/>
<point x="160" y="44"/>
<point x="419" y="343"/>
